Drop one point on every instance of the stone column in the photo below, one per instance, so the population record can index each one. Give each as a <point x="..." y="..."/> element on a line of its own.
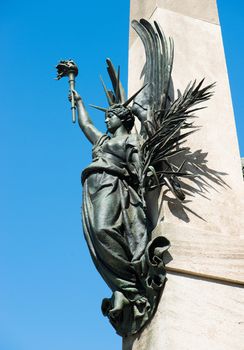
<point x="202" y="306"/>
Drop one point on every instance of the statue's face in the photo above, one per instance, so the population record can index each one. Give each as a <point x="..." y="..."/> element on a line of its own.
<point x="112" y="121"/>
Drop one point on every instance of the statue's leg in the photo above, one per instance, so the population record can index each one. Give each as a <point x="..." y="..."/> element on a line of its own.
<point x="104" y="231"/>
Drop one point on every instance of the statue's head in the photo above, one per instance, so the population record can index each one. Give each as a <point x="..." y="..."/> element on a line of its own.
<point x="123" y="113"/>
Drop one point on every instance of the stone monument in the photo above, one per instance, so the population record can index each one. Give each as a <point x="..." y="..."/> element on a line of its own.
<point x="128" y="170"/>
<point x="202" y="305"/>
<point x="144" y="192"/>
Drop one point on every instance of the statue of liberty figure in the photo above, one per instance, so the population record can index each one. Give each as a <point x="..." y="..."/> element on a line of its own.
<point x="125" y="166"/>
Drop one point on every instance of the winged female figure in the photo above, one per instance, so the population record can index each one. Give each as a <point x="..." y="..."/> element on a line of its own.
<point x="125" y="166"/>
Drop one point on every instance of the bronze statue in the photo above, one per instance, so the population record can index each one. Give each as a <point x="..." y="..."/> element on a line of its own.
<point x="126" y="166"/>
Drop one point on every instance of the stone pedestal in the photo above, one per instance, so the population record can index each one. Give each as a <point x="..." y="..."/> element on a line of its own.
<point x="207" y="230"/>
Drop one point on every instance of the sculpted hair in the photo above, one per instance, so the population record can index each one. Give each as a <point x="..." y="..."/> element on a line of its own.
<point x="124" y="114"/>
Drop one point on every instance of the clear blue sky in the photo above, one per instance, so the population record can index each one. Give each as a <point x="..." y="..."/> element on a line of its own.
<point x="50" y="293"/>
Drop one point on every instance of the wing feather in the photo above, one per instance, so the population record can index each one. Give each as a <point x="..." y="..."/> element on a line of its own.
<point x="116" y="83"/>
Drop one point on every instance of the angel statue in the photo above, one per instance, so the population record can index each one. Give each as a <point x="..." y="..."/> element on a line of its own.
<point x="127" y="165"/>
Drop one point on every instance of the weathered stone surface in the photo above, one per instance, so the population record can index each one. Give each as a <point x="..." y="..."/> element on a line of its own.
<point x="205" y="252"/>
<point x="205" y="10"/>
<point x="194" y="314"/>
<point x="207" y="231"/>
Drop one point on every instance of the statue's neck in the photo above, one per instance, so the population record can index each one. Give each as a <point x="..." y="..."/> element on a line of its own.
<point x="120" y="132"/>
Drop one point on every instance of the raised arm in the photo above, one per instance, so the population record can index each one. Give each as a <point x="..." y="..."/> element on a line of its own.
<point x="85" y="122"/>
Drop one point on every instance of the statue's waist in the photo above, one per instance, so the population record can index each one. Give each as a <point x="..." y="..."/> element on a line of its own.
<point x="108" y="164"/>
<point x="106" y="156"/>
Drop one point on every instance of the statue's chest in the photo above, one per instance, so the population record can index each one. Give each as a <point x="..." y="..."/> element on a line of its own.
<point x="115" y="146"/>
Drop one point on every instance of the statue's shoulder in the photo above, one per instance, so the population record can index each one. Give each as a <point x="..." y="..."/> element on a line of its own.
<point x="132" y="140"/>
<point x="101" y="140"/>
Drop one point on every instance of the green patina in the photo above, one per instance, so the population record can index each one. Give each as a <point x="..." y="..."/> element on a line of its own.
<point x="125" y="168"/>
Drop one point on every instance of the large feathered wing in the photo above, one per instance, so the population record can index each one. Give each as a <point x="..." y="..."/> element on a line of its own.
<point x="157" y="71"/>
<point x="164" y="122"/>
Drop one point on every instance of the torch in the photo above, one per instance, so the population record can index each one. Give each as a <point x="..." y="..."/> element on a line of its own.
<point x="68" y="69"/>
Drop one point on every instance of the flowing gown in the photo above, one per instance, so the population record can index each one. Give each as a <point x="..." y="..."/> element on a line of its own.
<point x="115" y="228"/>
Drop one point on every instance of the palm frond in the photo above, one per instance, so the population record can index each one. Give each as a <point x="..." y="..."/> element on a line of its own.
<point x="166" y="130"/>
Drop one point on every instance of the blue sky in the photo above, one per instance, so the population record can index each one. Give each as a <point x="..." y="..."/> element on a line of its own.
<point x="50" y="292"/>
